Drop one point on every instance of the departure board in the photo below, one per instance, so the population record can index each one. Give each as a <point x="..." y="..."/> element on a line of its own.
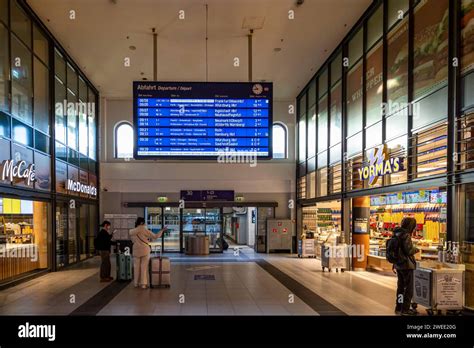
<point x="202" y="120"/>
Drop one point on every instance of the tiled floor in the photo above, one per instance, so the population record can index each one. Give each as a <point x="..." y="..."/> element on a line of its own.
<point x="241" y="287"/>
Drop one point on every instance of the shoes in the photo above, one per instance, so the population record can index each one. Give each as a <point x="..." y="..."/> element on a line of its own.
<point x="136" y="286"/>
<point x="105" y="280"/>
<point x="144" y="287"/>
<point x="410" y="312"/>
<point x="398" y="310"/>
<point x="110" y="278"/>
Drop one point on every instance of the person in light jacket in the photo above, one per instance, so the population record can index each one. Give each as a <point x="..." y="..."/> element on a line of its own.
<point x="140" y="237"/>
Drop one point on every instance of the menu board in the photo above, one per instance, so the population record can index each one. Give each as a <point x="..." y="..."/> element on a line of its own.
<point x="417" y="197"/>
<point x="397" y="198"/>
<point x="431" y="46"/>
<point x="200" y="120"/>
<point x="467" y="34"/>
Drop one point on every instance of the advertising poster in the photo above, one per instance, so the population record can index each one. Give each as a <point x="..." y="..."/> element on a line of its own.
<point x="467" y="35"/>
<point x="431" y="46"/>
<point x="449" y="291"/>
<point x="422" y="293"/>
<point x="397" y="62"/>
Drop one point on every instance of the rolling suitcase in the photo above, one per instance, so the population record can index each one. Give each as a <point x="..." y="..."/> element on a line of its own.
<point x="160" y="272"/>
<point x="124" y="267"/>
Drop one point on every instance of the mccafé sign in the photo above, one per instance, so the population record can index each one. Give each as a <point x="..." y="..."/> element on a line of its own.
<point x="76" y="186"/>
<point x="380" y="164"/>
<point x="18" y="172"/>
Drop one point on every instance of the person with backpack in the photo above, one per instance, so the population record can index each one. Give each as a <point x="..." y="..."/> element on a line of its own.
<point x="102" y="244"/>
<point x="400" y="252"/>
<point x="140" y="237"/>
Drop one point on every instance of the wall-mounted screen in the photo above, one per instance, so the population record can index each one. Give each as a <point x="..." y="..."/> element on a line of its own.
<point x="202" y="120"/>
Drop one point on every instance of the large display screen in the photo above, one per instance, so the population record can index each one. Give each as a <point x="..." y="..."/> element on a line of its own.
<point x="198" y="120"/>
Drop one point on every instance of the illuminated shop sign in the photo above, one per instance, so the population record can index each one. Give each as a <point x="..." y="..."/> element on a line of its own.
<point x="380" y="164"/>
<point x="17" y="172"/>
<point x="76" y="186"/>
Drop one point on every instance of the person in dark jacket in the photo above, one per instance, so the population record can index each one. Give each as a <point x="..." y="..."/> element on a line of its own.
<point x="405" y="266"/>
<point x="103" y="242"/>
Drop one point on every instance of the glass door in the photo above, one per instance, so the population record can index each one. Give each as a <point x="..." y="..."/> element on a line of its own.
<point x="214" y="228"/>
<point x="171" y="236"/>
<point x="61" y="234"/>
<point x="193" y="222"/>
<point x="72" y="235"/>
<point x="154" y="221"/>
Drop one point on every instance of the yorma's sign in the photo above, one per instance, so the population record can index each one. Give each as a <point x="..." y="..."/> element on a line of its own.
<point x="18" y="172"/>
<point x="380" y="164"/>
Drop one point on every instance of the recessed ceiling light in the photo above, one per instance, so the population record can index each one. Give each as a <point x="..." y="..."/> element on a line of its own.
<point x="133" y="48"/>
<point x="277" y="49"/>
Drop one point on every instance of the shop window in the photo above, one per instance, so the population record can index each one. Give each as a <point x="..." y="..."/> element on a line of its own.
<point x="355" y="47"/>
<point x="41" y="142"/>
<point x="353" y="164"/>
<point x="397" y="148"/>
<point x="302" y="187"/>
<point x="73" y="157"/>
<point x="374" y="84"/>
<point x="61" y="234"/>
<point x="40" y="45"/>
<point x="312" y="93"/>
<point x="373" y="135"/>
<point x="430" y="109"/>
<point x="335" y="178"/>
<point x="354" y="100"/>
<point x="311" y="132"/>
<point x="4" y="67"/>
<point x="335" y="127"/>
<point x="4" y="125"/>
<point x="323" y="124"/>
<point x="302" y="105"/>
<point x="92" y="125"/>
<point x="280" y="141"/>
<point x="4" y="150"/>
<point x="71" y="79"/>
<point x="466" y="142"/>
<point x="83" y="131"/>
<point x="83" y="230"/>
<point x="60" y="111"/>
<point x="21" y="133"/>
<point x="397" y="124"/>
<point x="311" y="164"/>
<point x="124" y="140"/>
<point x="430" y="147"/>
<point x="468" y="90"/>
<point x="430" y="70"/>
<point x="20" y="23"/>
<point x="22" y="83"/>
<point x="21" y="153"/>
<point x="43" y="172"/>
<point x="61" y="151"/>
<point x="24" y="229"/>
<point x="72" y="121"/>
<point x="336" y="69"/>
<point x="59" y="66"/>
<point x="397" y="9"/>
<point x="84" y="161"/>
<point x="354" y="144"/>
<point x="311" y="185"/>
<point x="323" y="83"/>
<point x="302" y="139"/>
<point x="467" y="52"/>
<point x="374" y="27"/>
<point x="41" y="99"/>
<point x="61" y="177"/>
<point x="397" y="62"/>
<point x="322" y="188"/>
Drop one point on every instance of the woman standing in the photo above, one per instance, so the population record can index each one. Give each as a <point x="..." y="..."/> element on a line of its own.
<point x="140" y="237"/>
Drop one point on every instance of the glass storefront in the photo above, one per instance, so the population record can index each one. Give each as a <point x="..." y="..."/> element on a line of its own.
<point x="25" y="230"/>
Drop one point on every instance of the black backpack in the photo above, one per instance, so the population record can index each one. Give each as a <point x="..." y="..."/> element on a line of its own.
<point x="394" y="253"/>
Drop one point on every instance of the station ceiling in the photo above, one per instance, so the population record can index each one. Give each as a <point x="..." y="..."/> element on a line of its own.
<point x="100" y="34"/>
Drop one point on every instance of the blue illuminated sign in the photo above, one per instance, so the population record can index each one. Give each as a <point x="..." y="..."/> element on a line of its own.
<point x="197" y="120"/>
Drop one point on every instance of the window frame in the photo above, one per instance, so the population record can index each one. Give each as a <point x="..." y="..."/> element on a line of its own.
<point x="116" y="129"/>
<point x="285" y="130"/>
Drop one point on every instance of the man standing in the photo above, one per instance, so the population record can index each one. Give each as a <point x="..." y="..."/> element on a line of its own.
<point x="103" y="242"/>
